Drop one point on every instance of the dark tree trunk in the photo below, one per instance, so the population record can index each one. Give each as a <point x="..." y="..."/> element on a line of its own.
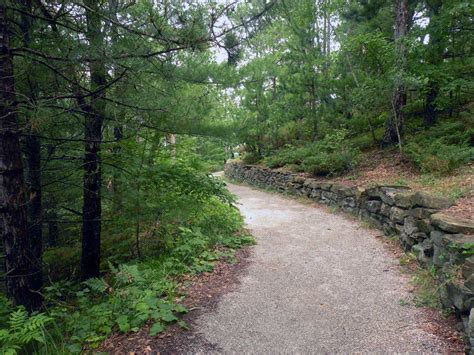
<point x="90" y="259"/>
<point x="33" y="158"/>
<point x="434" y="58"/>
<point x="429" y="117"/>
<point x="117" y="200"/>
<point x="21" y="268"/>
<point x="34" y="208"/>
<point x="53" y="230"/>
<point x="394" y="124"/>
<point x="118" y="128"/>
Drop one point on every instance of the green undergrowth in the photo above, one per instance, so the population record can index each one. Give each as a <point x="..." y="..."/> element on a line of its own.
<point x="436" y="151"/>
<point x="425" y="282"/>
<point x="328" y="156"/>
<point x="427" y="288"/>
<point x="442" y="148"/>
<point x="78" y="316"/>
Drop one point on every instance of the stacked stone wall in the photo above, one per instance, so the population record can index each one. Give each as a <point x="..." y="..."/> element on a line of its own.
<point x="438" y="240"/>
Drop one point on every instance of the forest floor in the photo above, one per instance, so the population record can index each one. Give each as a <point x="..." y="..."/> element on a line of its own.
<point x="315" y="282"/>
<point x="387" y="167"/>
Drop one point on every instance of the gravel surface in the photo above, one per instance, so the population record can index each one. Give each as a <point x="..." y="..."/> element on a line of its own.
<point x="317" y="282"/>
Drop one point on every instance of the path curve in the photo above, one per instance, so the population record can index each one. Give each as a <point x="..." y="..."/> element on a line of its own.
<point x="317" y="282"/>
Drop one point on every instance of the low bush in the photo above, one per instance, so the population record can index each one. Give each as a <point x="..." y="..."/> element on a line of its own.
<point x="329" y="156"/>
<point x="251" y="158"/>
<point x="441" y="149"/>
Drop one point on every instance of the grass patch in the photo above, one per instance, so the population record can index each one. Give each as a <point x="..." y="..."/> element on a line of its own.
<point x="427" y="288"/>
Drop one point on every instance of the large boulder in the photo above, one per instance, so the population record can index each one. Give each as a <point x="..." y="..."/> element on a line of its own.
<point x="451" y="224"/>
<point x="423" y="199"/>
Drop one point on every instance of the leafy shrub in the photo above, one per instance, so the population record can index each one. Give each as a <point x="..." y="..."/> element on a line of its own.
<point x="442" y="148"/>
<point x="438" y="157"/>
<point x="330" y="163"/>
<point x="287" y="156"/>
<point x="250" y="158"/>
<point x="217" y="218"/>
<point x="329" y="156"/>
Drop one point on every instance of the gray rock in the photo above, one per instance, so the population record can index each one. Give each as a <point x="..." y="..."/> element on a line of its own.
<point x="462" y="298"/>
<point x="452" y="224"/>
<point x="385" y="210"/>
<point x="410" y="225"/>
<point x="423" y="199"/>
<point x="298" y="179"/>
<point x="311" y="183"/>
<point x="388" y="197"/>
<point x="468" y="268"/>
<point x="327" y="196"/>
<point x="470" y="330"/>
<point x="422" y="213"/>
<point x="424" y="225"/>
<point x="325" y="186"/>
<point x="398" y="215"/>
<point x="373" y="206"/>
<point x="419" y="237"/>
<point x="353" y="191"/>
<point x="389" y="228"/>
<point x="372" y="192"/>
<point x="437" y="237"/>
<point x="469" y="283"/>
<point x="405" y="199"/>
<point x="387" y="193"/>
<point x="315" y="194"/>
<point x="349" y="202"/>
<point x="424" y="252"/>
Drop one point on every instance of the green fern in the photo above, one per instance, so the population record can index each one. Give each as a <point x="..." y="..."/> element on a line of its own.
<point x="22" y="330"/>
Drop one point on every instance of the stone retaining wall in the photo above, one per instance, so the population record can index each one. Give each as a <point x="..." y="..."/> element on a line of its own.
<point x="438" y="240"/>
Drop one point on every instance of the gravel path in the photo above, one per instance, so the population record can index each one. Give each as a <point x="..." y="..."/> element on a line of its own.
<point x="317" y="282"/>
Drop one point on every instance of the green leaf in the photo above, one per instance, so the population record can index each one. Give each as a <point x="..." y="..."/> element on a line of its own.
<point x="156" y="328"/>
<point x="74" y="348"/>
<point x="183" y="324"/>
<point x="123" y="323"/>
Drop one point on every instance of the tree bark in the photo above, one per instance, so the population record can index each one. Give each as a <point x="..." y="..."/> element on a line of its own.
<point x="394" y="124"/>
<point x="21" y="268"/>
<point x="92" y="209"/>
<point x="434" y="58"/>
<point x="33" y="157"/>
<point x="34" y="206"/>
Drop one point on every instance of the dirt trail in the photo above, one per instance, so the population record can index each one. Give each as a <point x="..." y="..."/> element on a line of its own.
<point x="317" y="282"/>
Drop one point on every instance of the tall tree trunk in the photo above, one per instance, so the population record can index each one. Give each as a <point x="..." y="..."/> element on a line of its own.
<point x="34" y="206"/>
<point x="33" y="156"/>
<point x="429" y="117"/>
<point x="434" y="58"/>
<point x="21" y="268"/>
<point x="117" y="197"/>
<point x="394" y="124"/>
<point x="118" y="127"/>
<point x="91" y="225"/>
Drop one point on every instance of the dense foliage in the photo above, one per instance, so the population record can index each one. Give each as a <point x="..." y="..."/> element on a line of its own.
<point x="114" y="113"/>
<point x="112" y="121"/>
<point x="318" y="68"/>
